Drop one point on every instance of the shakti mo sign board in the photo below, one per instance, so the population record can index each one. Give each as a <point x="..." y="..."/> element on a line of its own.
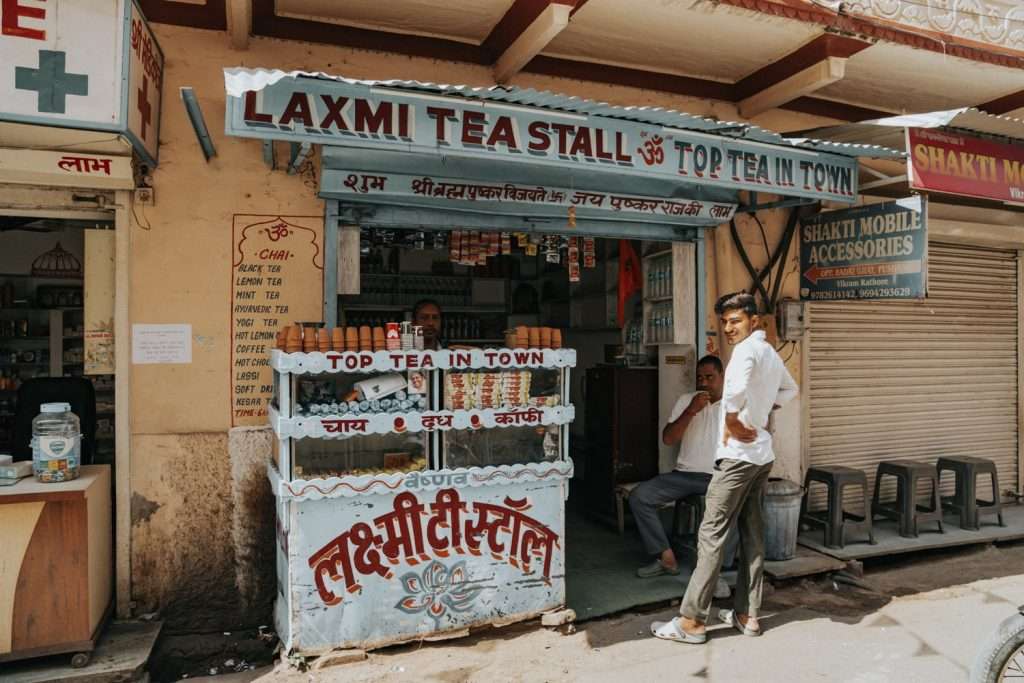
<point x="345" y="113"/>
<point x="871" y="252"/>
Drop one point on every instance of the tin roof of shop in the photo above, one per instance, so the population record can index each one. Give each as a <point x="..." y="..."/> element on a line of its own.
<point x="889" y="132"/>
<point x="239" y="80"/>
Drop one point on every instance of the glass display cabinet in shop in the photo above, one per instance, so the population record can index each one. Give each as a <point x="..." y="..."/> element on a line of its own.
<point x="417" y="492"/>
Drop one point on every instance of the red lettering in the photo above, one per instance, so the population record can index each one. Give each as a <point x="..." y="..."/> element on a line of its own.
<point x="334" y="358"/>
<point x="365" y="360"/>
<point x="441" y="116"/>
<point x="473" y="127"/>
<point x="396" y="360"/>
<point x="274" y="254"/>
<point x="620" y="148"/>
<point x="412" y="361"/>
<point x="601" y="152"/>
<point x="403" y="120"/>
<point x="10" y="22"/>
<point x="460" y="359"/>
<point x="369" y="121"/>
<point x="503" y="132"/>
<point x="490" y="356"/>
<point x="581" y="145"/>
<point x="504" y="358"/>
<point x="563" y="131"/>
<point x="250" y="109"/>
<point x="297" y="108"/>
<point x="334" y="115"/>
<point x="540" y="141"/>
<point x="427" y="362"/>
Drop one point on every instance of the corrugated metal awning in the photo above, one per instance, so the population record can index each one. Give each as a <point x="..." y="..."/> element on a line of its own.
<point x="889" y="132"/>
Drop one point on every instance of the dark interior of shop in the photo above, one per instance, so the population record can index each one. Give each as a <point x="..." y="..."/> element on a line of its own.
<point x="489" y="284"/>
<point x="44" y="356"/>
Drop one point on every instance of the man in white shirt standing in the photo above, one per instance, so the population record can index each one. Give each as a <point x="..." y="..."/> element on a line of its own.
<point x="695" y="424"/>
<point x="756" y="382"/>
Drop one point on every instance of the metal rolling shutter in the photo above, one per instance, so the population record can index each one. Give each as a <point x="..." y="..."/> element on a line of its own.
<point x="920" y="379"/>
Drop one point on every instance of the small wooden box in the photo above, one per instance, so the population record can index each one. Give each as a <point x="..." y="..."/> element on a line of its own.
<point x="56" y="552"/>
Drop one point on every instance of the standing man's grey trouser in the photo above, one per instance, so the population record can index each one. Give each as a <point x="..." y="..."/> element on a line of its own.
<point x="735" y="494"/>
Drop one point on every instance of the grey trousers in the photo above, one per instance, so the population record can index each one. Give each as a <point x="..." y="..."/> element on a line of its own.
<point x="735" y="495"/>
<point x="648" y="497"/>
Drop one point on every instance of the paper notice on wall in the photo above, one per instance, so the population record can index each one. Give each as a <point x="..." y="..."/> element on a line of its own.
<point x="161" y="344"/>
<point x="277" y="279"/>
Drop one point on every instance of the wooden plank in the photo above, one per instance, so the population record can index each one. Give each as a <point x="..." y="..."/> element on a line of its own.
<point x="100" y="548"/>
<point x="51" y="599"/>
<point x="29" y="489"/>
<point x="18" y="522"/>
<point x="806" y="562"/>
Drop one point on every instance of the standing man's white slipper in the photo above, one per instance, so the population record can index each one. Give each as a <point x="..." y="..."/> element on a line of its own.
<point x="728" y="616"/>
<point x="671" y="630"/>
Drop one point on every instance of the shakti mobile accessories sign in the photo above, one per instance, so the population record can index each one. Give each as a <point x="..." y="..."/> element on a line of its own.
<point x="879" y="251"/>
<point x="91" y="64"/>
<point x="333" y="111"/>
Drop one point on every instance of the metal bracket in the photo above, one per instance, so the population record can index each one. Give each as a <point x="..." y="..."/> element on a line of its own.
<point x="269" y="155"/>
<point x="195" y="116"/>
<point x="300" y="152"/>
<point x="754" y="206"/>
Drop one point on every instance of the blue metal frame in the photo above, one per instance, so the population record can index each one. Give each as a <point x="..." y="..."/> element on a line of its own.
<point x="702" y="296"/>
<point x="195" y="117"/>
<point x="331" y="263"/>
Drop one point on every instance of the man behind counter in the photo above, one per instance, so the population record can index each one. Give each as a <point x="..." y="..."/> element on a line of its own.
<point x="427" y="314"/>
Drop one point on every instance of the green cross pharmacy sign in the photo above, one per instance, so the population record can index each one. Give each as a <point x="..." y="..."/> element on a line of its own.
<point x="90" y="64"/>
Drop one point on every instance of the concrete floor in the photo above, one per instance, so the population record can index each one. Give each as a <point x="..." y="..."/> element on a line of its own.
<point x="921" y="619"/>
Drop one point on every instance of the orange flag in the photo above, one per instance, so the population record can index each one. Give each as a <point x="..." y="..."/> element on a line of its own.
<point x="630" y="276"/>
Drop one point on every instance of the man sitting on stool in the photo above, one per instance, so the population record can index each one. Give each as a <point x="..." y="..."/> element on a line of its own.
<point x="694" y="424"/>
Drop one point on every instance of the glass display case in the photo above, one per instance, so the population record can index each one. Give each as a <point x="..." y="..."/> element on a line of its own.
<point x="366" y="413"/>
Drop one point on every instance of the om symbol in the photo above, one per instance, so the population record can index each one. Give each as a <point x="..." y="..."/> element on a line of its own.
<point x="651" y="151"/>
<point x="276" y="232"/>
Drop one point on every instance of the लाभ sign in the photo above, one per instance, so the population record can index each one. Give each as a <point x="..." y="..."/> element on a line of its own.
<point x="879" y="251"/>
<point x="340" y="112"/>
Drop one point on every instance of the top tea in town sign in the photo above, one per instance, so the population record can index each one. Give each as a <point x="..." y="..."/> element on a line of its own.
<point x="356" y="114"/>
<point x="91" y="64"/>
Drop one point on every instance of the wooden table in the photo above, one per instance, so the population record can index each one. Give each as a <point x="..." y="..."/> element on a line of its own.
<point x="56" y="552"/>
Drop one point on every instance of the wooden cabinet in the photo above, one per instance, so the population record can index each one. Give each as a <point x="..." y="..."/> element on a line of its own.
<point x="56" y="552"/>
<point x="621" y="431"/>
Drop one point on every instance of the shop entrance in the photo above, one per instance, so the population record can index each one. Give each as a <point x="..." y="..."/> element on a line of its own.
<point x="494" y="288"/>
<point x="56" y="283"/>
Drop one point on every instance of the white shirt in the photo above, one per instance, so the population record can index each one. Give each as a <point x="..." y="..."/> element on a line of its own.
<point x="701" y="438"/>
<point x="755" y="380"/>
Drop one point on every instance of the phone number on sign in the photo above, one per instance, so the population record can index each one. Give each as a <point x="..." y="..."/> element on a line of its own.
<point x="869" y="293"/>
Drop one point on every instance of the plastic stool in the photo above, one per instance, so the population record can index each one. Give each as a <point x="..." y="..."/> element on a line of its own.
<point x="835" y="520"/>
<point x="965" y="500"/>
<point x="907" y="513"/>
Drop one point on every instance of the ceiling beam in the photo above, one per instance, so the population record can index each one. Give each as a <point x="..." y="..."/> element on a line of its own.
<point x="523" y="32"/>
<point x="810" y="67"/>
<point x="811" y="79"/>
<point x="239" y="20"/>
<point x="1004" y="104"/>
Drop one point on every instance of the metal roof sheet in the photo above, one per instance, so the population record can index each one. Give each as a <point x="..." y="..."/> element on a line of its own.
<point x="239" y="80"/>
<point x="888" y="131"/>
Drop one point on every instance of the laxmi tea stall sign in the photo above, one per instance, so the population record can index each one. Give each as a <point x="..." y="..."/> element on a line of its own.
<point x="879" y="251"/>
<point x="954" y="163"/>
<point x="277" y="278"/>
<point x="91" y="64"/>
<point x="333" y="111"/>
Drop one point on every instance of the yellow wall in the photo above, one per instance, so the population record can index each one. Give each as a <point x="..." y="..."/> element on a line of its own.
<point x="190" y="485"/>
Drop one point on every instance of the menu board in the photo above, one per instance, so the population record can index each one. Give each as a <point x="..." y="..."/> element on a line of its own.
<point x="277" y="279"/>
